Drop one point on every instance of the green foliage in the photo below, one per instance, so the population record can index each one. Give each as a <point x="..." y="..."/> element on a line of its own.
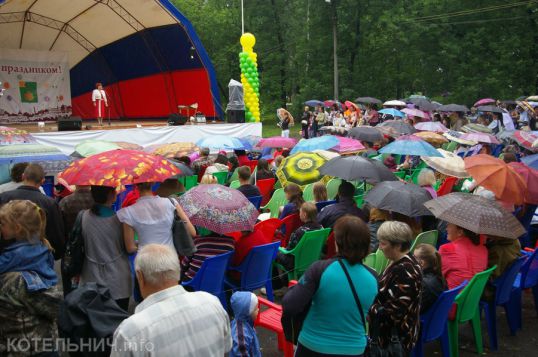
<point x="386" y="48"/>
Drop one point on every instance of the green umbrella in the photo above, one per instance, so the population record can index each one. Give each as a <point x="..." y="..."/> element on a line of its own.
<point x="92" y="147"/>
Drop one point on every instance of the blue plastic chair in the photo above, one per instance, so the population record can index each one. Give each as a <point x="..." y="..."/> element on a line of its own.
<point x="526" y="220"/>
<point x="320" y="205"/>
<point x="256" y="269"/>
<point x="503" y="291"/>
<point x="48" y="186"/>
<point x="256" y="201"/>
<point x="526" y="279"/>
<point x="434" y="322"/>
<point x="210" y="277"/>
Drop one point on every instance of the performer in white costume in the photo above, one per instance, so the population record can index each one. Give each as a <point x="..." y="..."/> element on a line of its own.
<point x="99" y="102"/>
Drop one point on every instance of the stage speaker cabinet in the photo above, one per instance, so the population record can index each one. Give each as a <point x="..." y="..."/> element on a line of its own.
<point x="69" y="124"/>
<point x="235" y="116"/>
<point x="175" y="119"/>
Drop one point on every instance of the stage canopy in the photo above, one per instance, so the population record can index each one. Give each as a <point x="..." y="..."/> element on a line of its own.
<point x="145" y="52"/>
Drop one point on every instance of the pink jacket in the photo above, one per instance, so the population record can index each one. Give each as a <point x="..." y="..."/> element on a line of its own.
<point x="461" y="260"/>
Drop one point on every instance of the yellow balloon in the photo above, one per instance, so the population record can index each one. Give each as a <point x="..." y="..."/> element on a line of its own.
<point x="248" y="41"/>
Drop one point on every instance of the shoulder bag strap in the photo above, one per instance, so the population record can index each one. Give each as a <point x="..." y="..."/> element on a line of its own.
<point x="357" y="301"/>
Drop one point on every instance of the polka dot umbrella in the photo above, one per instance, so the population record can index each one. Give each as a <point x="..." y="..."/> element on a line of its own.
<point x="301" y="168"/>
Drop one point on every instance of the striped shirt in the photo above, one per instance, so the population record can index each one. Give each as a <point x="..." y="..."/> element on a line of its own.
<point x="206" y="247"/>
<point x="174" y="322"/>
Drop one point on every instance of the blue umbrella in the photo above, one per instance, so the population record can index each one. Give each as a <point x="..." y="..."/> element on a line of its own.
<point x="393" y="112"/>
<point x="313" y="102"/>
<point x="531" y="161"/>
<point x="410" y="145"/>
<point x="218" y="142"/>
<point x="320" y="143"/>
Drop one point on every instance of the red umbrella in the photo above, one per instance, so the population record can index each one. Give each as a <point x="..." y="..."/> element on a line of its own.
<point x="351" y="104"/>
<point x="277" y="142"/>
<point x="480" y="138"/>
<point x="525" y="139"/>
<point x="530" y="176"/>
<point x="484" y="101"/>
<point x="119" y="167"/>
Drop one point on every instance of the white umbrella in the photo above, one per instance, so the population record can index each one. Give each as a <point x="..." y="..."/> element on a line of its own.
<point x="395" y="102"/>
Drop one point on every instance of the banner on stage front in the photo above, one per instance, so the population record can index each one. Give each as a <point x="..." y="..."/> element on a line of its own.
<point x="36" y="86"/>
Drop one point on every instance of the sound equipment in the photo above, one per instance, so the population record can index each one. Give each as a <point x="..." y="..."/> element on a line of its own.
<point x="69" y="124"/>
<point x="175" y="119"/>
<point x="235" y="116"/>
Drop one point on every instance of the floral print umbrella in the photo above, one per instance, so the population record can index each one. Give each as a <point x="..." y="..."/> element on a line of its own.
<point x="10" y="136"/>
<point x="119" y="167"/>
<point x="171" y="150"/>
<point x="301" y="168"/>
<point x="219" y="208"/>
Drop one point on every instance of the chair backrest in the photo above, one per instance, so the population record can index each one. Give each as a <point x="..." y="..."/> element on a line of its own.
<point x="369" y="261"/>
<point x="434" y="320"/>
<point x="210" y="277"/>
<point x="308" y="250"/>
<point x="400" y="174"/>
<point x="381" y="262"/>
<point x="257" y="267"/>
<point x="253" y="165"/>
<point x="529" y="271"/>
<point x="221" y="176"/>
<point x="505" y="282"/>
<point x="235" y="184"/>
<point x="256" y="201"/>
<point x="359" y="200"/>
<point x="268" y="227"/>
<point x="190" y="182"/>
<point x="451" y="146"/>
<point x="469" y="298"/>
<point x="291" y="222"/>
<point x="332" y="188"/>
<point x="266" y="188"/>
<point x="414" y="176"/>
<point x="278" y="199"/>
<point x="48" y="186"/>
<point x="446" y="186"/>
<point x="234" y="176"/>
<point x="320" y="205"/>
<point x="428" y="237"/>
<point x="308" y="192"/>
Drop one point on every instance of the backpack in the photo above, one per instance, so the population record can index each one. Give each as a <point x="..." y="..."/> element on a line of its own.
<point x="74" y="250"/>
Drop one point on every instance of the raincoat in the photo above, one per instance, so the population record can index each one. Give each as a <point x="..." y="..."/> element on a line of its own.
<point x="245" y="340"/>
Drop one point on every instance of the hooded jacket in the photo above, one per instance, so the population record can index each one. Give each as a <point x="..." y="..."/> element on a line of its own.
<point x="245" y="340"/>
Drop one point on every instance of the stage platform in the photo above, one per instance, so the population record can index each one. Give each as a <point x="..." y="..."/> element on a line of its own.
<point x="148" y="133"/>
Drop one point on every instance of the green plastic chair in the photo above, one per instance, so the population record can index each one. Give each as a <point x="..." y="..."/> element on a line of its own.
<point x="381" y="262"/>
<point x="359" y="200"/>
<point x="369" y="261"/>
<point x="468" y="310"/>
<point x="235" y="184"/>
<point x="190" y="182"/>
<point x="235" y="175"/>
<point x="414" y="176"/>
<point x="221" y="176"/>
<point x="277" y="185"/>
<point x="307" y="251"/>
<point x="277" y="200"/>
<point x="428" y="237"/>
<point x="308" y="192"/>
<point x="332" y="188"/>
<point x="400" y="174"/>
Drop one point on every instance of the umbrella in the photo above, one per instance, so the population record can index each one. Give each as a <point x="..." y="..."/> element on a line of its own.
<point x="489" y="108"/>
<point x="319" y="143"/>
<point x="219" y="208"/>
<point x="220" y="142"/>
<point x="352" y="168"/>
<point x="9" y="136"/>
<point x="484" y="102"/>
<point x="456" y="137"/>
<point x="368" y="100"/>
<point x="366" y="133"/>
<point x="50" y="158"/>
<point x="533" y="98"/>
<point x="450" y="164"/>
<point x="128" y="146"/>
<point x="313" y="102"/>
<point x="172" y="149"/>
<point x="119" y="167"/>
<point x="477" y="214"/>
<point x="453" y="108"/>
<point x="334" y="130"/>
<point x="327" y="154"/>
<point x="424" y="104"/>
<point x="346" y="145"/>
<point x="410" y="145"/>
<point x="277" y="142"/>
<point x="526" y="107"/>
<point x="530" y="161"/>
<point x="396" y="103"/>
<point x="530" y="176"/>
<point x="495" y="175"/>
<point x="476" y="128"/>
<point x="92" y="147"/>
<point x="402" y="197"/>
<point x="301" y="168"/>
<point x="525" y="139"/>
<point x="388" y="130"/>
<point x="330" y="103"/>
<point x="431" y="137"/>
<point x="435" y="126"/>
<point x="351" y="104"/>
<point x="415" y="113"/>
<point x="401" y="126"/>
<point x="185" y="170"/>
<point x="393" y="112"/>
<point x="250" y="141"/>
<point x="481" y="138"/>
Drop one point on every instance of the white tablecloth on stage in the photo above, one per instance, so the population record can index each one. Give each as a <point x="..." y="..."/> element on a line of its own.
<point x="67" y="140"/>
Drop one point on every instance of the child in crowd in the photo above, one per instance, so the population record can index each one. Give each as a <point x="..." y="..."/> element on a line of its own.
<point x="433" y="283"/>
<point x="245" y="308"/>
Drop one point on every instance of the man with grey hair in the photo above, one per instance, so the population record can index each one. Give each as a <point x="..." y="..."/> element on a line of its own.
<point x="202" y="163"/>
<point x="171" y="321"/>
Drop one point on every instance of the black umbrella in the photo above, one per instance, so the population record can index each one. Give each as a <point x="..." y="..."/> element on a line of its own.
<point x="366" y="133"/>
<point x="453" y="108"/>
<point x="424" y="104"/>
<point x="185" y="170"/>
<point x="489" y="108"/>
<point x="368" y="100"/>
<point x="353" y="168"/>
<point x="400" y="126"/>
<point x="396" y="196"/>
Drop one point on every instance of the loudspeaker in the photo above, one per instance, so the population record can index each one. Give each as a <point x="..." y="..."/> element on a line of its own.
<point x="69" y="124"/>
<point x="235" y="116"/>
<point x="175" y="119"/>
